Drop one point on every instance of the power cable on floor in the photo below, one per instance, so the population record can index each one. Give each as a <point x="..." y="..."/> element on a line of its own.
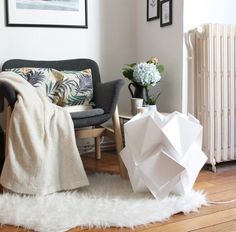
<point x="221" y="202"/>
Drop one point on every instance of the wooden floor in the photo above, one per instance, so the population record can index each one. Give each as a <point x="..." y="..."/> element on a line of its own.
<point x="220" y="186"/>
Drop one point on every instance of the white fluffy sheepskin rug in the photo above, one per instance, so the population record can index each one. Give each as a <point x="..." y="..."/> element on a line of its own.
<point x="108" y="201"/>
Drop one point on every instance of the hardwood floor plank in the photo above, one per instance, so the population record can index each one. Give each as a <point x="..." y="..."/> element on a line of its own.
<point x="223" y="227"/>
<point x="198" y="222"/>
<point x="8" y="228"/>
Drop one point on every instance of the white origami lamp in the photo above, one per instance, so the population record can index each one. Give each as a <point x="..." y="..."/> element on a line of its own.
<point x="163" y="153"/>
<point x="192" y="166"/>
<point x="133" y="172"/>
<point x="180" y="133"/>
<point x="155" y="175"/>
<point x="145" y="136"/>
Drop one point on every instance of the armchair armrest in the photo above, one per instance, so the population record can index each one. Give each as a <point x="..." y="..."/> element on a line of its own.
<point x="106" y="95"/>
<point x="6" y="91"/>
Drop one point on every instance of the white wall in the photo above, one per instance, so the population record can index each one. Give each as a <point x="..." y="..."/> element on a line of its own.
<point x="167" y="44"/>
<point x="118" y="42"/>
<point x="109" y="39"/>
<point x="208" y="11"/>
<point x="200" y="12"/>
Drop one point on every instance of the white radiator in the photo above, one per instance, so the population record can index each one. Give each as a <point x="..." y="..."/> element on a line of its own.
<point x="211" y="85"/>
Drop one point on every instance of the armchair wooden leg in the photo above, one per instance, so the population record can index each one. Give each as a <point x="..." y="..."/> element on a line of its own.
<point x="98" y="147"/>
<point x="119" y="143"/>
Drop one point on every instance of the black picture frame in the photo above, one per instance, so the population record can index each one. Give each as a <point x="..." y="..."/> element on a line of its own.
<point x="153" y="9"/>
<point x="165" y="13"/>
<point x="24" y="16"/>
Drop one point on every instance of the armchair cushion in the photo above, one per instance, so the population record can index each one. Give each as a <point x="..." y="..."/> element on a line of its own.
<point x="63" y="88"/>
<point x="87" y="113"/>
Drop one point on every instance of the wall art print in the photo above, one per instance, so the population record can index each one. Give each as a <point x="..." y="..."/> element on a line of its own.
<point x="152" y="9"/>
<point x="47" y="13"/>
<point x="166" y="13"/>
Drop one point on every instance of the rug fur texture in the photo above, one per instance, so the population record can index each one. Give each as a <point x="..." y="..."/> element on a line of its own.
<point x="108" y="201"/>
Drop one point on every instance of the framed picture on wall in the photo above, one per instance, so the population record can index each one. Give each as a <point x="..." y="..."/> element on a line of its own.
<point x="165" y="13"/>
<point x="47" y="13"/>
<point x="152" y="9"/>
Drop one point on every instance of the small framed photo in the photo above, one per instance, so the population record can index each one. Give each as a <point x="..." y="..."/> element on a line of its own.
<point x="152" y="9"/>
<point x="46" y="13"/>
<point x="165" y="13"/>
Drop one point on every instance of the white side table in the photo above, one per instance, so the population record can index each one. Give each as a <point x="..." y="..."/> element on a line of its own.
<point x="124" y="117"/>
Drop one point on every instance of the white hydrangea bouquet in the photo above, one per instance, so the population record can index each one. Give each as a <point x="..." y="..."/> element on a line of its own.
<point x="145" y="74"/>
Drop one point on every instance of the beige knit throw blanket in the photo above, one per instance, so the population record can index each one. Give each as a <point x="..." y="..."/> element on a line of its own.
<point x="42" y="154"/>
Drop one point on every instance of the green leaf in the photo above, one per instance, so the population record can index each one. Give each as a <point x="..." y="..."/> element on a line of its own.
<point x="128" y="73"/>
<point x="130" y="65"/>
<point x="160" y="68"/>
<point x="152" y="99"/>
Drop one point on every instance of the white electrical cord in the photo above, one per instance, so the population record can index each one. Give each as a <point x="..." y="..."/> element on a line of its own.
<point x="221" y="202"/>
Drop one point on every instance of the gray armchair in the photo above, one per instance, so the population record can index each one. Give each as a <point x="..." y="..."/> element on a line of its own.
<point x="105" y="98"/>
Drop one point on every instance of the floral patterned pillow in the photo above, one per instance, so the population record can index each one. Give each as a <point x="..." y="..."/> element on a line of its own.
<point x="63" y="88"/>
